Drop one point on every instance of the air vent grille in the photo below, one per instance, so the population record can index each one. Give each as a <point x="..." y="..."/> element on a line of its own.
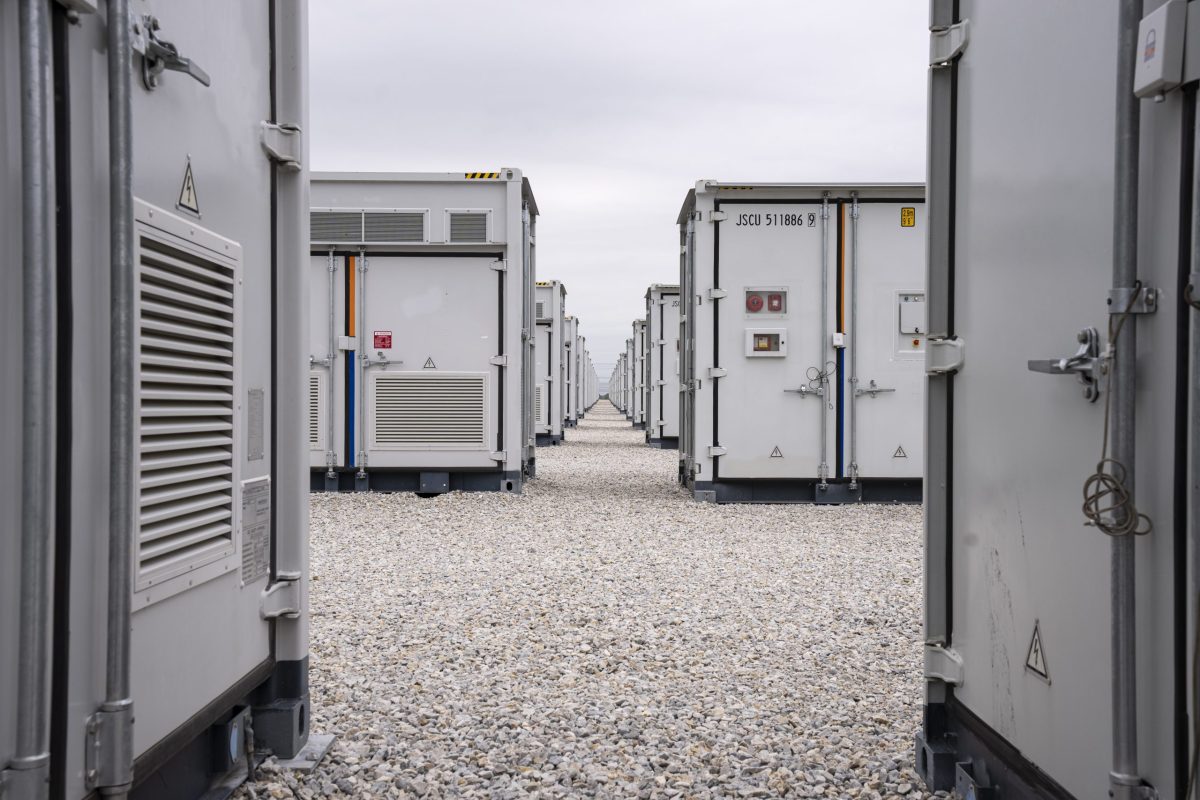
<point x="468" y="226"/>
<point x="316" y="397"/>
<point x="541" y="310"/>
<point x="424" y="410"/>
<point x="336" y="226"/>
<point x="394" y="226"/>
<point x="186" y="324"/>
<point x="537" y="403"/>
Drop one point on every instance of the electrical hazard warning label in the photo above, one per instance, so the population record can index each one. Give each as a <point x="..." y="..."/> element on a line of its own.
<point x="899" y="452"/>
<point x="1035" y="659"/>
<point x="187" y="192"/>
<point x="383" y="340"/>
<point x="908" y="217"/>
<point x="429" y="363"/>
<point x="776" y="453"/>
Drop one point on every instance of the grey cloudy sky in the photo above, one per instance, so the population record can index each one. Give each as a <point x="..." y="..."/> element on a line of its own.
<point x="615" y="109"/>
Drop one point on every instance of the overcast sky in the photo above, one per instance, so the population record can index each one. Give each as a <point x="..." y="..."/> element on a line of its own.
<point x="615" y="109"/>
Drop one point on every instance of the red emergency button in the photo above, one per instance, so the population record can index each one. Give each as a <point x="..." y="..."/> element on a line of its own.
<point x="754" y="302"/>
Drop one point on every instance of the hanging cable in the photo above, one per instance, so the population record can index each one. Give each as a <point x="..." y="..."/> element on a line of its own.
<point x="1107" y="503"/>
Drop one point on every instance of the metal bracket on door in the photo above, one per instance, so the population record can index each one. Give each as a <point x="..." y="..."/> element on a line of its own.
<point x="943" y="664"/>
<point x="281" y="598"/>
<point x="1142" y="300"/>
<point x="281" y="142"/>
<point x="498" y="361"/>
<point x="717" y="294"/>
<point x="806" y="391"/>
<point x="716" y="372"/>
<point x="714" y="451"/>
<point x="872" y="390"/>
<point x="500" y="455"/>
<point x="108" y="750"/>
<point x="1086" y="364"/>
<point x="159" y="55"/>
<point x="380" y="361"/>
<point x="947" y="43"/>
<point x="944" y="356"/>
<point x="500" y="266"/>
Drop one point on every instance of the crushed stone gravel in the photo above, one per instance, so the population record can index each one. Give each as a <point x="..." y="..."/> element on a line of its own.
<point x="603" y="635"/>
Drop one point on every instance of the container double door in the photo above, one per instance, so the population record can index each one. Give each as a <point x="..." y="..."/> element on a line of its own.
<point x="785" y="398"/>
<point x="545" y="387"/>
<point x="430" y="353"/>
<point x="663" y="417"/>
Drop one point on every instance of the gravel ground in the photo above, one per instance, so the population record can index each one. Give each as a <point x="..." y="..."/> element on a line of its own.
<point x="605" y="636"/>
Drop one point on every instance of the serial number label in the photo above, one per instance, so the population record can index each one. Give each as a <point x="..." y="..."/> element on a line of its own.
<point x="769" y="220"/>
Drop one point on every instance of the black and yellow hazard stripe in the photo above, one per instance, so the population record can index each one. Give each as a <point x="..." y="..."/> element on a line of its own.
<point x="481" y="175"/>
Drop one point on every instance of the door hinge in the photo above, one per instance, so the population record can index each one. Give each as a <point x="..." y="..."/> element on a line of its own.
<point x="500" y="455"/>
<point x="282" y="144"/>
<point x="717" y="294"/>
<point x="108" y="749"/>
<point x="717" y="216"/>
<point x="943" y="664"/>
<point x="715" y="450"/>
<point x="281" y="598"/>
<point x="498" y="361"/>
<point x="500" y="265"/>
<point x="946" y="43"/>
<point x="717" y="372"/>
<point x="943" y="356"/>
<point x="660" y="383"/>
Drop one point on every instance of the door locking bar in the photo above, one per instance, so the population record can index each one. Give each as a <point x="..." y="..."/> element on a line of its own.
<point x="805" y="391"/>
<point x="159" y="55"/>
<point x="1087" y="364"/>
<point x="872" y="390"/>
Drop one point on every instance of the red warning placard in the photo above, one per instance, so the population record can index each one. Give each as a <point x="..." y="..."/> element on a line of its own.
<point x="383" y="340"/>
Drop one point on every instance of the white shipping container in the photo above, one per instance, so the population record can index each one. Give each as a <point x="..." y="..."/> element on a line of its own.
<point x="662" y="366"/>
<point x="571" y="344"/>
<point x="807" y="334"/>
<point x="1059" y="661"/>
<point x="154" y="560"/>
<point x="639" y="374"/>
<point x="424" y="365"/>
<point x="550" y="371"/>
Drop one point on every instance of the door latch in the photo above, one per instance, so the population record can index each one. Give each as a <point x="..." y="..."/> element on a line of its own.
<point x="1086" y="364"/>
<point x="872" y="390"/>
<point x="159" y="54"/>
<point x="805" y="391"/>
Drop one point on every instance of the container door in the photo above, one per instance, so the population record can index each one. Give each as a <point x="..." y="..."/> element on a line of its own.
<point x="769" y="340"/>
<point x="543" y="386"/>
<point x="1029" y="583"/>
<point x="326" y="376"/>
<point x="429" y="333"/>
<point x="888" y="282"/>
<point x="204" y="253"/>
<point x="667" y="379"/>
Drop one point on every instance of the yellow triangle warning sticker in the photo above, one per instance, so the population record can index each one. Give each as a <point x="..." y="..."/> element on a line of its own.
<point x="429" y="363"/>
<point x="187" y="192"/>
<point x="1035" y="659"/>
<point x="776" y="453"/>
<point x="899" y="452"/>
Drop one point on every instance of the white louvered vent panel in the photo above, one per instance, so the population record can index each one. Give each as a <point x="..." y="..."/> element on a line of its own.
<point x="394" y="226"/>
<point x="335" y="226"/>
<point x="541" y="310"/>
<point x="429" y="410"/>
<point x="186" y="325"/>
<point x="537" y="403"/>
<point x="468" y="226"/>
<point x="316" y="410"/>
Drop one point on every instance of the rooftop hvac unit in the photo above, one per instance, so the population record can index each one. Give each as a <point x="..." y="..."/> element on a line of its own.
<point x="416" y="327"/>
<point x="157" y="495"/>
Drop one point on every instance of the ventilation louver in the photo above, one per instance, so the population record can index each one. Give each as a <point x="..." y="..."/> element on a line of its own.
<point x="336" y="226"/>
<point x="316" y="396"/>
<point x="541" y="310"/>
<point x="186" y="411"/>
<point x="423" y="410"/>
<point x="468" y="226"/>
<point x="394" y="226"/>
<point x="537" y="403"/>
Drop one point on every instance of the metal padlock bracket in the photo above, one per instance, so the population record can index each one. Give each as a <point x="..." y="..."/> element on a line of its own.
<point x="1143" y="300"/>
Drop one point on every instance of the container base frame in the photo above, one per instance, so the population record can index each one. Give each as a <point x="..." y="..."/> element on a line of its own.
<point x="807" y="490"/>
<point x="383" y="479"/>
<point x="664" y="443"/>
<point x="548" y="439"/>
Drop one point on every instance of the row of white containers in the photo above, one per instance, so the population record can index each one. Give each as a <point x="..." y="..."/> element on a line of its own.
<point x="565" y="385"/>
<point x="154" y="525"/>
<point x="646" y="378"/>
